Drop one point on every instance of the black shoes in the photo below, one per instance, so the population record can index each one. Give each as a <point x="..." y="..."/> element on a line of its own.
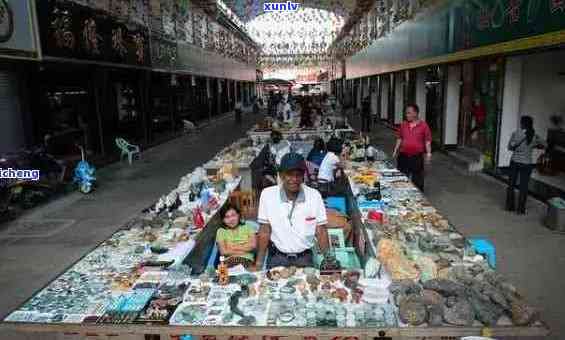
<point x="510" y="199"/>
<point x="511" y="202"/>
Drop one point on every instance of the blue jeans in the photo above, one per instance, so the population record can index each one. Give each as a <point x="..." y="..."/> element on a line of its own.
<point x="523" y="172"/>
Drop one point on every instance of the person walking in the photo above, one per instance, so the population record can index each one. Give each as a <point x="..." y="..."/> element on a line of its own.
<point x="413" y="146"/>
<point x="522" y="143"/>
<point x="366" y="114"/>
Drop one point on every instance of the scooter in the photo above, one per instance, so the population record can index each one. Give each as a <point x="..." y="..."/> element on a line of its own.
<point x="84" y="174"/>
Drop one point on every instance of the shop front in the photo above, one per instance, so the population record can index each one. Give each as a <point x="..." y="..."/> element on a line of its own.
<point x="481" y="106"/>
<point x="110" y="99"/>
<point x="214" y="96"/>
<point x="164" y="94"/>
<point x="435" y="94"/>
<point x="18" y="52"/>
<point x="63" y="114"/>
<point x="126" y="108"/>
<point x="224" y="95"/>
<point x="201" y="107"/>
<point x="534" y="85"/>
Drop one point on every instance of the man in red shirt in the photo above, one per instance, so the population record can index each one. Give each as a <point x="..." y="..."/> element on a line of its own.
<point x="413" y="146"/>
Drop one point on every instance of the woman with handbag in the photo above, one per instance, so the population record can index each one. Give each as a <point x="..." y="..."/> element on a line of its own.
<point x="522" y="144"/>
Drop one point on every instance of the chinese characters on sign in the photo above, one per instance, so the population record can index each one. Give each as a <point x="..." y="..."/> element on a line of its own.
<point x="139" y="41"/>
<point x="70" y="30"/>
<point x="504" y="13"/>
<point x="61" y="27"/>
<point x="118" y="43"/>
<point x="90" y="36"/>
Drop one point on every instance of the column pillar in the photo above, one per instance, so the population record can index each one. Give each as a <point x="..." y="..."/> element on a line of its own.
<point x="385" y="90"/>
<point x="219" y="96"/>
<point x="452" y="105"/>
<point x="374" y="96"/>
<point x="421" y="92"/>
<point x="234" y="94"/>
<point x="228" y="87"/>
<point x="359" y="92"/>
<point x="398" y="98"/>
<point x="208" y="98"/>
<point x="513" y="74"/>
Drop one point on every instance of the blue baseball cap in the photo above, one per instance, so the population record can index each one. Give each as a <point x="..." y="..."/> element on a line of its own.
<point x="292" y="161"/>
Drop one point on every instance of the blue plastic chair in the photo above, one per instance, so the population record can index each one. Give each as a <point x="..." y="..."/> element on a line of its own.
<point x="484" y="247"/>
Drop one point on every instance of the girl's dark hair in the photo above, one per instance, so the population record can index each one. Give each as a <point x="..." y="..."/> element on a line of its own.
<point x="335" y="145"/>
<point x="319" y="144"/>
<point x="229" y="207"/>
<point x="527" y="123"/>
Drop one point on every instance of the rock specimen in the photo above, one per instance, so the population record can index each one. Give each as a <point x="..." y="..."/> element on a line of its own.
<point x="391" y="255"/>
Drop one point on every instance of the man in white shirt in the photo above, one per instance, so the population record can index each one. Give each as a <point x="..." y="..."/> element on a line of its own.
<point x="331" y="162"/>
<point x="292" y="216"/>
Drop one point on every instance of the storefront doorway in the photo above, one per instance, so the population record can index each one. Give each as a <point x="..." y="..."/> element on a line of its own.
<point x="63" y="111"/>
<point x="163" y="96"/>
<point x="481" y="105"/>
<point x="214" y="95"/>
<point x="435" y="93"/>
<point x="128" y="110"/>
<point x="224" y="96"/>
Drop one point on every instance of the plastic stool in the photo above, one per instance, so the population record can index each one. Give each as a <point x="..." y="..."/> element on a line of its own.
<point x="484" y="247"/>
<point x="337" y="203"/>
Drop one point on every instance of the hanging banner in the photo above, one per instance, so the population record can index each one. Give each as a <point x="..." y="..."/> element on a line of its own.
<point x="18" y="36"/>
<point x="69" y="30"/>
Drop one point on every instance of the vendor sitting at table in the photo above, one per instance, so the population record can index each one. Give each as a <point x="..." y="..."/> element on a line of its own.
<point x="292" y="215"/>
<point x="236" y="240"/>
<point x="331" y="167"/>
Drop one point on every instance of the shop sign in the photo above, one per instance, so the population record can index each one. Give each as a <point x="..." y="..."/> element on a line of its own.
<point x="455" y="26"/>
<point x="70" y="30"/>
<point x="163" y="52"/>
<point x="275" y="337"/>
<point x="485" y="22"/>
<point x="17" y="29"/>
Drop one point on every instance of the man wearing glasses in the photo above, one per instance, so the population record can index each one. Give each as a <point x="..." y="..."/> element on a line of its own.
<point x="292" y="216"/>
